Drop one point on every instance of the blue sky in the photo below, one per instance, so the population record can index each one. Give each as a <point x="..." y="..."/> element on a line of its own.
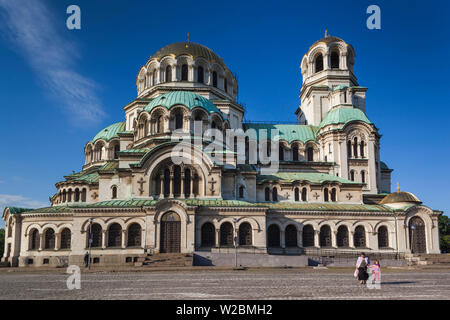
<point x="59" y="87"/>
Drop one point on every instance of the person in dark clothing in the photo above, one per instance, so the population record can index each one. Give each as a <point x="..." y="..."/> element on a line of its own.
<point x="361" y="265"/>
<point x="86" y="259"/>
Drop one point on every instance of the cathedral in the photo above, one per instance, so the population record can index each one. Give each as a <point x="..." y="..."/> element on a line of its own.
<point x="163" y="181"/>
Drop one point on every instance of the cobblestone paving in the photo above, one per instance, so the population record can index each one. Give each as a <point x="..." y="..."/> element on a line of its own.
<point x="250" y="284"/>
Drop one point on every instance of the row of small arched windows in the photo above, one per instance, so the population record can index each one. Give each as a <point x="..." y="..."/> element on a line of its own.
<point x="49" y="242"/>
<point x="73" y="196"/>
<point x="362" y="173"/>
<point x="226" y="235"/>
<point x="334" y="61"/>
<point x="114" y="235"/>
<point x="352" y="148"/>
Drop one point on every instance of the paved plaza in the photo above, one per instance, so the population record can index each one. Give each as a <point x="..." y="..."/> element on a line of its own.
<point x="304" y="283"/>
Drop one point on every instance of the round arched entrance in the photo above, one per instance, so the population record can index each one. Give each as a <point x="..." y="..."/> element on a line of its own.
<point x="170" y="233"/>
<point x="417" y="235"/>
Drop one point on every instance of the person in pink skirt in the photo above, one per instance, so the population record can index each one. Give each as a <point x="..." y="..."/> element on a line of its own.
<point x="376" y="271"/>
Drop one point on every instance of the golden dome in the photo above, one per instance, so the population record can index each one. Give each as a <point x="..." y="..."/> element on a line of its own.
<point x="400" y="196"/>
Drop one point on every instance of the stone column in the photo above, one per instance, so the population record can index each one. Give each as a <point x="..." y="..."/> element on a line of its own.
<point x="104" y="240"/>
<point x="283" y="239"/>
<point x="333" y="239"/>
<point x="351" y="242"/>
<point x="41" y="241"/>
<point x="182" y="184"/>
<point x="171" y="182"/>
<point x="217" y="238"/>
<point x="300" y="238"/>
<point x="316" y="238"/>
<point x="161" y="192"/>
<point x="124" y="238"/>
<point x="57" y="240"/>
<point x="192" y="185"/>
<point x="326" y="65"/>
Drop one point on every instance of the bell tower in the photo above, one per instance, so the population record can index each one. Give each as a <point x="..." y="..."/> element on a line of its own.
<point x="328" y="80"/>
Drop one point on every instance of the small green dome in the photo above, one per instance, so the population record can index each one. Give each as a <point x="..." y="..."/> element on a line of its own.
<point x="343" y="115"/>
<point x="110" y="132"/>
<point x="185" y="98"/>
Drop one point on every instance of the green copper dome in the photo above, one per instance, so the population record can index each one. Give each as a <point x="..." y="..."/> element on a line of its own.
<point x="185" y="98"/>
<point x="110" y="132"/>
<point x="343" y="115"/>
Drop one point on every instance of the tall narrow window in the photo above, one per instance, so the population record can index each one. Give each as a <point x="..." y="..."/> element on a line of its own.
<point x="355" y="147"/>
<point x="49" y="239"/>
<point x="115" y="235"/>
<point x="319" y="63"/>
<point x="333" y="195"/>
<point x="325" y="194"/>
<point x="200" y="74"/>
<point x="215" y="79"/>
<point x="296" y="194"/>
<point x="83" y="195"/>
<point x="179" y="121"/>
<point x="241" y="192"/>
<point x="116" y="151"/>
<point x="225" y="85"/>
<point x="362" y="149"/>
<point x="267" y="194"/>
<point x="168" y="74"/>
<point x="134" y="235"/>
<point x="184" y="72"/>
<point x="295" y="152"/>
<point x="114" y="192"/>
<point x="363" y="176"/>
<point x="304" y="194"/>
<point x="154" y="77"/>
<point x="77" y="195"/>
<point x="349" y="148"/>
<point x="310" y="152"/>
<point x="334" y="60"/>
<point x="66" y="236"/>
<point x="352" y="175"/>
<point x="274" y="194"/>
<point x="281" y="153"/>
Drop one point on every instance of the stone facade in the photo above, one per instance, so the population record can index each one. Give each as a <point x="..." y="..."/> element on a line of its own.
<point x="331" y="190"/>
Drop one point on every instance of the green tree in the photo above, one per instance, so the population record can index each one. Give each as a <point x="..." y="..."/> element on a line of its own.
<point x="444" y="231"/>
<point x="2" y="241"/>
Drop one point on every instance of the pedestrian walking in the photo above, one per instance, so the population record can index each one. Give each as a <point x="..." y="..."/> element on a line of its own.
<point x="86" y="259"/>
<point x="361" y="268"/>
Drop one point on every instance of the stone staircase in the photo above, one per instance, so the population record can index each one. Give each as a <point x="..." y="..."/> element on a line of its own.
<point x="166" y="260"/>
<point x="428" y="259"/>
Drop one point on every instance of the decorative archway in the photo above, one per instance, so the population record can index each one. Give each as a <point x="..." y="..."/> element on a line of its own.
<point x="417" y="237"/>
<point x="325" y="236"/>
<point x="273" y="236"/>
<point x="170" y="240"/>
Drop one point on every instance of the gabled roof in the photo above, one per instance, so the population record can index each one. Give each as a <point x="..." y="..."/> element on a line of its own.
<point x="287" y="132"/>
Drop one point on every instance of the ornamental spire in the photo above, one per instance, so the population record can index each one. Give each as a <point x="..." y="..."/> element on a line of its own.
<point x="398" y="187"/>
<point x="187" y="44"/>
<point x="326" y="33"/>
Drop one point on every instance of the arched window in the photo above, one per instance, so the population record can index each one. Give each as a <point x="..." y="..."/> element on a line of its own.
<point x="154" y="77"/>
<point x="225" y="84"/>
<point x="291" y="236"/>
<point x="349" y="148"/>
<point x="34" y="240"/>
<point x="281" y="152"/>
<point x="273" y="236"/>
<point x="363" y="176"/>
<point x="342" y="237"/>
<point x="267" y="194"/>
<point x="134" y="235"/>
<point x="325" y="236"/>
<point x="241" y="192"/>
<point x="355" y="147"/>
<point x="360" y="237"/>
<point x="9" y="234"/>
<point x="77" y="195"/>
<point x="295" y="152"/>
<point x="296" y="194"/>
<point x="66" y="237"/>
<point x="226" y="234"/>
<point x="115" y="235"/>
<point x="69" y="196"/>
<point x="361" y="148"/>
<point x="274" y="194"/>
<point x="114" y="192"/>
<point x="166" y="183"/>
<point x="83" y="195"/>
<point x="49" y="239"/>
<point x="245" y="234"/>
<point x="184" y="72"/>
<point x="304" y="194"/>
<point x="179" y="120"/>
<point x="310" y="152"/>
<point x="383" y="237"/>
<point x="334" y="60"/>
<point x="308" y="236"/>
<point x="116" y="151"/>
<point x="176" y="181"/>
<point x="187" y="183"/>
<point x="215" y="79"/>
<point x="168" y="74"/>
<point x="208" y="235"/>
<point x="96" y="235"/>
<point x="200" y="75"/>
<point x="159" y="124"/>
<point x="319" y="63"/>
<point x="333" y="195"/>
<point x="352" y="175"/>
<point x="64" y="195"/>
<point x="325" y="194"/>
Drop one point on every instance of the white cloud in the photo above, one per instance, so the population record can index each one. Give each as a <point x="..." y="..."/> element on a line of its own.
<point x="20" y="201"/>
<point x="30" y="27"/>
